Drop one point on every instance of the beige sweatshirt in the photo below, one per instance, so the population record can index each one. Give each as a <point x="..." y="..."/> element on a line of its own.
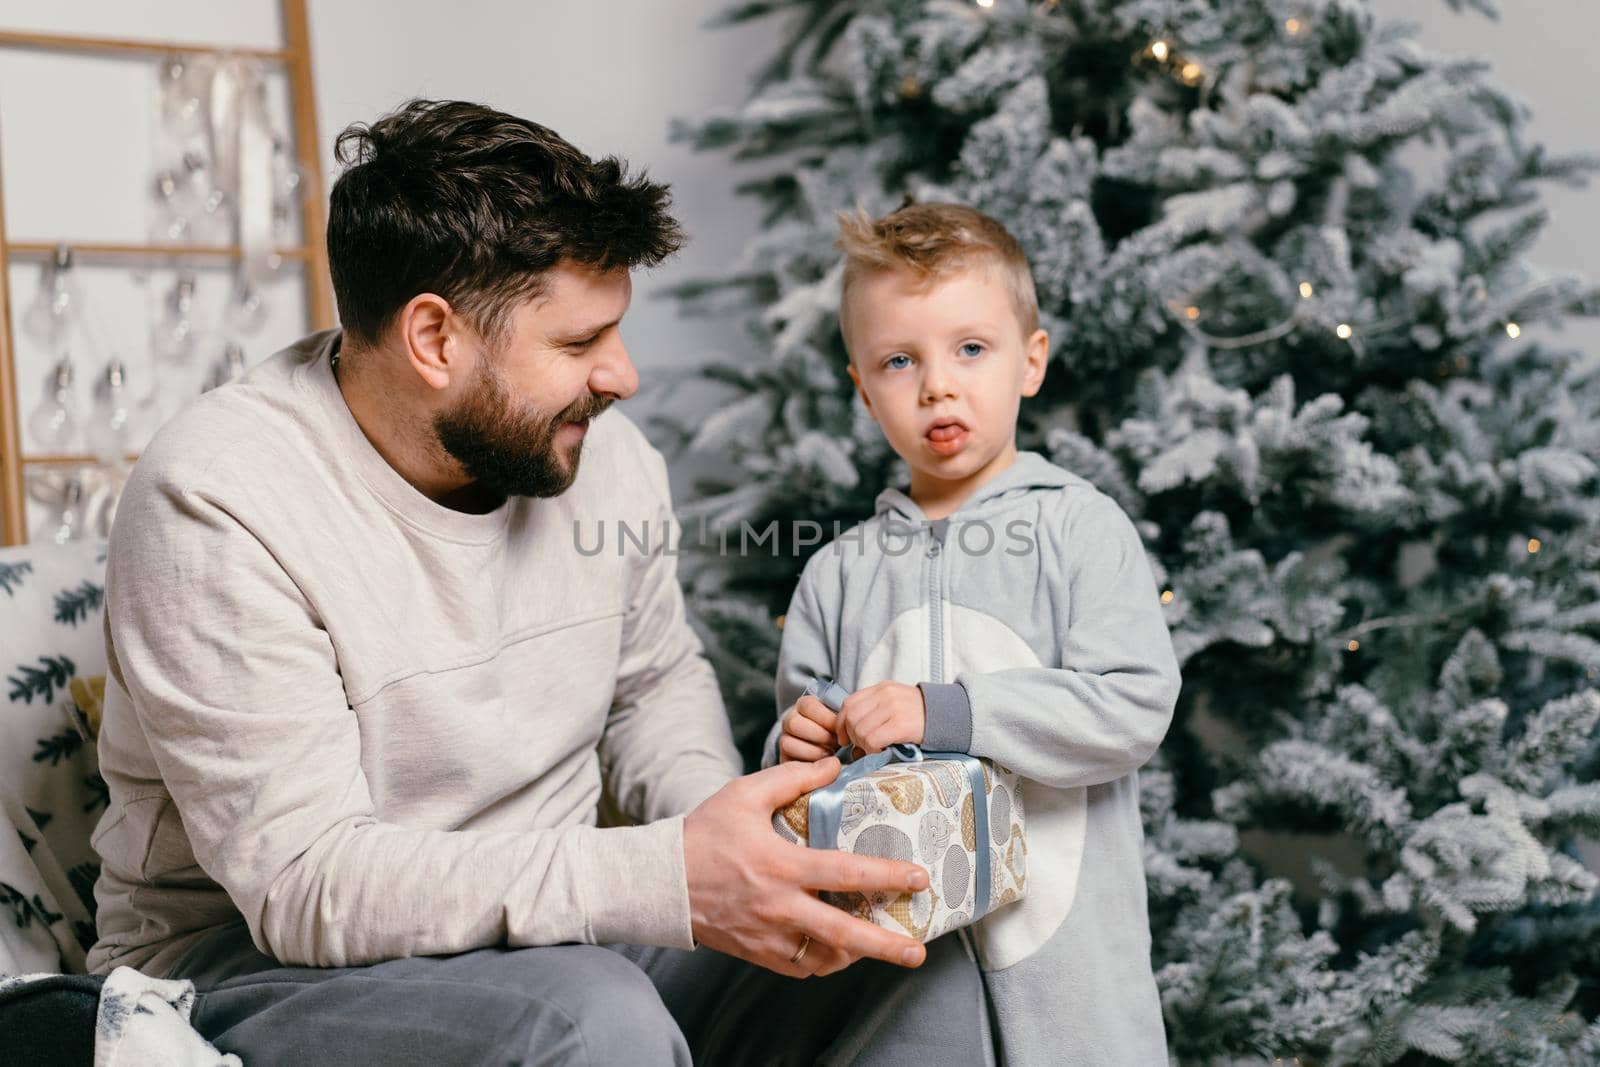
<point x="375" y="727"/>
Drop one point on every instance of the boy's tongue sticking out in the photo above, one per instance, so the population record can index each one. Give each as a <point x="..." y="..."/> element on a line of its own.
<point x="946" y="436"/>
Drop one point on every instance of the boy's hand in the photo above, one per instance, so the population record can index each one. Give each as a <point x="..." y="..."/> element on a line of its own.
<point x="881" y="715"/>
<point x="808" y="731"/>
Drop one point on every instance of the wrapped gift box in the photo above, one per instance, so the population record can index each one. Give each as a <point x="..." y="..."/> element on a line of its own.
<point x="948" y="812"/>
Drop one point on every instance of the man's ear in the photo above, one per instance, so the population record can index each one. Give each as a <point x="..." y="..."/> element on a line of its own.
<point x="1035" y="358"/>
<point x="430" y="333"/>
<point x="855" y="376"/>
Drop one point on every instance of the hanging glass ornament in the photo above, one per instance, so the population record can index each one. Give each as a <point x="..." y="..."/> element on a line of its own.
<point x="287" y="180"/>
<point x="183" y="94"/>
<point x="172" y="221"/>
<point x="173" y="336"/>
<point x="58" y="304"/>
<point x="53" y="424"/>
<point x="114" y="428"/>
<point x="247" y="308"/>
<point x="64" y="521"/>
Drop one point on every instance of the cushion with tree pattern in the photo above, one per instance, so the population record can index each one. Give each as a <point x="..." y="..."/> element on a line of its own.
<point x="53" y="660"/>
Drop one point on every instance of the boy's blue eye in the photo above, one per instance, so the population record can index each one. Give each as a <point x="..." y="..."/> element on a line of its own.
<point x="972" y="344"/>
<point x="890" y="361"/>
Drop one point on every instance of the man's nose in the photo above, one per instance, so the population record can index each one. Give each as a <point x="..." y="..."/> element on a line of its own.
<point x="614" y="374"/>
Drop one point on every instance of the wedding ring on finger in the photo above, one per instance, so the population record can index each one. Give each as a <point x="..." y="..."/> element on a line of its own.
<point x="799" y="953"/>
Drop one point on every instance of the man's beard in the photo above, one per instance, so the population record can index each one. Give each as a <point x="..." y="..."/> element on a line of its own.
<point x="507" y="450"/>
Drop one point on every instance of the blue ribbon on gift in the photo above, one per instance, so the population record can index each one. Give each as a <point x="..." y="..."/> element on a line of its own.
<point x="826" y="809"/>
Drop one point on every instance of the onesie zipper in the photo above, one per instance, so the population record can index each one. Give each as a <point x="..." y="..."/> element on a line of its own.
<point x="935" y="556"/>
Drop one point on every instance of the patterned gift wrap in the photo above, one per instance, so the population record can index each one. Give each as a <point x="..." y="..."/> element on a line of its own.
<point x="920" y="807"/>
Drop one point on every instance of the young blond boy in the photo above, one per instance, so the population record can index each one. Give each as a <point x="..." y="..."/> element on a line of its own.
<point x="999" y="606"/>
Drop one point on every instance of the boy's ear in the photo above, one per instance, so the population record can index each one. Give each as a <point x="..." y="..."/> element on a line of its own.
<point x="1035" y="358"/>
<point x="865" y="399"/>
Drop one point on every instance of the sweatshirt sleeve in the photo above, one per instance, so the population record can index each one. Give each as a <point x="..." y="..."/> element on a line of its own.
<point x="667" y="743"/>
<point x="804" y="651"/>
<point x="235" y="683"/>
<point x="1103" y="712"/>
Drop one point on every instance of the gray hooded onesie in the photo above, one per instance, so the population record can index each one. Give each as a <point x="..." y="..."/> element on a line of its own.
<point x="1031" y="621"/>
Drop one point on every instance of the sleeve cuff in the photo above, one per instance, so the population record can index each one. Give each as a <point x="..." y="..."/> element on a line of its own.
<point x="948" y="726"/>
<point x="639" y="893"/>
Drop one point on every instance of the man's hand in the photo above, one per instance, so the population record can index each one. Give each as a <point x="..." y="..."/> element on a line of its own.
<point x="808" y="731"/>
<point x="751" y="892"/>
<point x="881" y="715"/>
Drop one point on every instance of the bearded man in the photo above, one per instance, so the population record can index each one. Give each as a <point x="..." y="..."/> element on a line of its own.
<point x="368" y="698"/>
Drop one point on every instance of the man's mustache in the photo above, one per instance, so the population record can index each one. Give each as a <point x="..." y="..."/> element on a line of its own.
<point x="587" y="408"/>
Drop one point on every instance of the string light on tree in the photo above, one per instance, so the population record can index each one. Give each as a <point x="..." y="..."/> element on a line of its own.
<point x="1353" y="645"/>
<point x="1192" y="74"/>
<point x="1160" y="49"/>
<point x="1166" y="596"/>
<point x="1187" y="314"/>
<point x="1533" y="545"/>
<point x="1294" y="26"/>
<point x="985" y="3"/>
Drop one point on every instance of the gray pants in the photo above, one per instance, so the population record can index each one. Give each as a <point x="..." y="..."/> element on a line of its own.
<point x="584" y="1004"/>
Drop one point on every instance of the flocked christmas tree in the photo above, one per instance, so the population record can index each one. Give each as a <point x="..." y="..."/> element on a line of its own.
<point x="1280" y="249"/>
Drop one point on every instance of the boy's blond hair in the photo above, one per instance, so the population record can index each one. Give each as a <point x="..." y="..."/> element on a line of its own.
<point x="932" y="241"/>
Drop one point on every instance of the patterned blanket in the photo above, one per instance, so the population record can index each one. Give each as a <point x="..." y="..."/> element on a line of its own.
<point x="139" y="1021"/>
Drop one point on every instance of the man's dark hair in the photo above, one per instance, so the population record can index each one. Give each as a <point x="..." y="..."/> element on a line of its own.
<point x="454" y="198"/>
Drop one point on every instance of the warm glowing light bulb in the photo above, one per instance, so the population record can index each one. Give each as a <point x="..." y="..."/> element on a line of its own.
<point x="1353" y="645"/>
<point x="985" y="3"/>
<point x="1293" y="26"/>
<point x="1191" y="72"/>
<point x="1344" y="331"/>
<point x="1306" y="290"/>
<point x="1166" y="596"/>
<point x="1191" y="312"/>
<point x="780" y="620"/>
<point x="1533" y="545"/>
<point x="1513" y="331"/>
<point x="1159" y="49"/>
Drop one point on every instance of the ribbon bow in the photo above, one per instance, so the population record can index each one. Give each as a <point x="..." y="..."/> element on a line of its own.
<point x="826" y="807"/>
